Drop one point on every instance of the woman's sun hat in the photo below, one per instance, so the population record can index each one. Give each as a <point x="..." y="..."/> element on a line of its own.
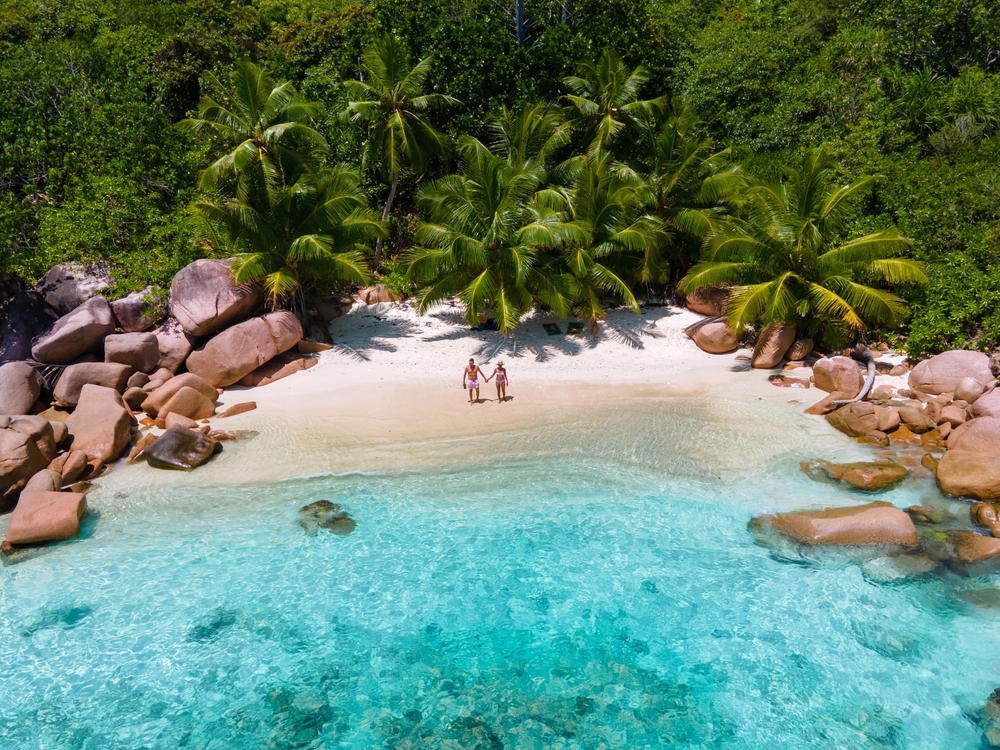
<point x="500" y="363"/>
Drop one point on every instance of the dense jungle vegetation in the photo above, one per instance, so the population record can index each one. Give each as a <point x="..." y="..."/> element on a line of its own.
<point x="632" y="145"/>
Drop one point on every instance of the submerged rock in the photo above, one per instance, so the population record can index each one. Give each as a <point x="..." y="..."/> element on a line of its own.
<point x="326" y="515"/>
<point x="42" y="516"/>
<point x="875" y="524"/>
<point x="180" y="448"/>
<point x="873" y="476"/>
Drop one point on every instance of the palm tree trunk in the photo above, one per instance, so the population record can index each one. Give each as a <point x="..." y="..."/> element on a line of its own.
<point x="385" y="215"/>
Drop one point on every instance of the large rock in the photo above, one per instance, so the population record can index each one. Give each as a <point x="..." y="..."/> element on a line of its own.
<point x="772" y="344"/>
<point x="75" y="377"/>
<point x="158" y="398"/>
<point x="871" y="476"/>
<point x="980" y="435"/>
<point x="139" y="311"/>
<point x="46" y="480"/>
<point x="709" y="300"/>
<point x="942" y="372"/>
<point x="23" y="316"/>
<point x="101" y="424"/>
<point x="971" y="547"/>
<point x="968" y="390"/>
<point x="42" y="516"/>
<point x="969" y="474"/>
<point x="240" y="350"/>
<point x="855" y="420"/>
<point x="280" y="367"/>
<point x="374" y="295"/>
<point x="140" y="350"/>
<point x="68" y="285"/>
<point x="987" y="405"/>
<point x="875" y="524"/>
<point x="20" y="459"/>
<point x="713" y="336"/>
<point x="40" y="430"/>
<point x="204" y="298"/>
<point x="175" y="344"/>
<point x="838" y="374"/>
<point x="20" y="386"/>
<point x="801" y="349"/>
<point x="180" y="448"/>
<point x="188" y="403"/>
<point x="78" y="332"/>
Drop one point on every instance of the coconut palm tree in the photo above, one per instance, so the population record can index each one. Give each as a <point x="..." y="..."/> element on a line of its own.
<point x="485" y="239"/>
<point x="314" y="227"/>
<point x="389" y="102"/>
<point x="787" y="265"/>
<point x="533" y="133"/>
<point x="264" y="126"/>
<point x="606" y="98"/>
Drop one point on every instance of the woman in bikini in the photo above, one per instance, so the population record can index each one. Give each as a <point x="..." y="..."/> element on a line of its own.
<point x="500" y="373"/>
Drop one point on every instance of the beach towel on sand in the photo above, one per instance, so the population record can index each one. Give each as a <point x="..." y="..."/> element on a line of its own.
<point x="552" y="329"/>
<point x="574" y="327"/>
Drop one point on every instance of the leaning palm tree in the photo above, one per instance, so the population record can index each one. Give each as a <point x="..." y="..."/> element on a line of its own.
<point x="485" y="239"/>
<point x="787" y="267"/>
<point x="606" y="98"/>
<point x="390" y="103"/>
<point x="314" y="228"/>
<point x="264" y="126"/>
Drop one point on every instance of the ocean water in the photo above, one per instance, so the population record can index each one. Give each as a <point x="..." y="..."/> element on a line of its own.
<point x="570" y="602"/>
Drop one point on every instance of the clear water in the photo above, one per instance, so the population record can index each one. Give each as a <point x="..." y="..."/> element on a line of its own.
<point x="563" y="603"/>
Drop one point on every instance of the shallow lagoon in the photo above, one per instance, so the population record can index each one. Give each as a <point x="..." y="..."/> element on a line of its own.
<point x="563" y="603"/>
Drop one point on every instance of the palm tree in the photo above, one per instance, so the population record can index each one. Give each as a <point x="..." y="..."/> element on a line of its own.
<point x="263" y="126"/>
<point x="390" y="102"/>
<point x="786" y="265"/>
<point x="612" y="240"/>
<point x="532" y="133"/>
<point x="606" y="98"/>
<point x="314" y="227"/>
<point x="485" y="239"/>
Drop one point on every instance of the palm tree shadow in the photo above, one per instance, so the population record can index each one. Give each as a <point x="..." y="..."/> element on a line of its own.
<point x="368" y="328"/>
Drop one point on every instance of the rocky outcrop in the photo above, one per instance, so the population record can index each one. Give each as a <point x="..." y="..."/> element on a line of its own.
<point x="75" y="377"/>
<point x="240" y="350"/>
<point x="138" y="350"/>
<point x="139" y="311"/>
<point x="870" y="476"/>
<point x="855" y="420"/>
<point x="180" y="448"/>
<point x="78" y="332"/>
<point x="20" y="386"/>
<point x="20" y="459"/>
<point x="709" y="300"/>
<point x="280" y="367"/>
<point x="772" y="344"/>
<point x="23" y="317"/>
<point x="101" y="424"/>
<point x="839" y="374"/>
<point x="66" y="286"/>
<point x="943" y="372"/>
<point x="188" y="402"/>
<point x="204" y="298"/>
<point x="158" y="398"/>
<point x="977" y="435"/>
<point x="875" y="524"/>
<point x="801" y="349"/>
<point x="374" y="295"/>
<point x="46" y="516"/>
<point x="713" y="336"/>
<point x="174" y="343"/>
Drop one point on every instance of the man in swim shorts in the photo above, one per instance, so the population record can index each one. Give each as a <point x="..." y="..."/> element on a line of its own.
<point x="470" y="379"/>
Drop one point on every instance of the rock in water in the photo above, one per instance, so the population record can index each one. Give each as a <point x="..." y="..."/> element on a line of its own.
<point x="772" y="344"/>
<point x="326" y="515"/>
<point x="235" y="409"/>
<point x="46" y="516"/>
<point x="969" y="474"/>
<point x="989" y="719"/>
<point x="101" y="425"/>
<point x="943" y="372"/>
<point x="80" y="331"/>
<point x="20" y="386"/>
<point x="874" y="476"/>
<point x="875" y="524"/>
<point x="240" y="350"/>
<point x="20" y="459"/>
<point x="204" y="298"/>
<point x="139" y="350"/>
<point x="180" y="448"/>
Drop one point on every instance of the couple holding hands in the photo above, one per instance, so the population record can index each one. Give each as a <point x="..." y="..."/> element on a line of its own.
<point x="470" y="380"/>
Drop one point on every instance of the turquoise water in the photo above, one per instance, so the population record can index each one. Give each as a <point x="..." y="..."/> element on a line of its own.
<point x="556" y="604"/>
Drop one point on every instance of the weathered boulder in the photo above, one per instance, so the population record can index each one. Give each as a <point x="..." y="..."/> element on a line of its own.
<point x="918" y="420"/>
<point x="374" y="295"/>
<point x="101" y="424"/>
<point x="969" y="474"/>
<point x="158" y="398"/>
<point x="942" y="372"/>
<point x="189" y="403"/>
<point x="801" y="349"/>
<point x="883" y="393"/>
<point x="985" y="514"/>
<point x="980" y="435"/>
<point x="75" y="377"/>
<point x="60" y="432"/>
<point x="138" y="380"/>
<point x="953" y="415"/>
<point x="139" y="311"/>
<point x="855" y="420"/>
<point x="826" y="404"/>
<point x="134" y="398"/>
<point x="971" y="547"/>
<point x="180" y="448"/>
<point x="74" y="466"/>
<point x="713" y="336"/>
<point x="175" y="344"/>
<point x="875" y="524"/>
<point x="968" y="390"/>
<point x="238" y="351"/>
<point x="772" y="344"/>
<point x="46" y="516"/>
<point x="888" y="418"/>
<point x="20" y="459"/>
<point x="139" y="350"/>
<point x="173" y="419"/>
<point x="23" y="316"/>
<point x="987" y="405"/>
<point x="871" y="476"/>
<point x="39" y="430"/>
<point x="280" y="367"/>
<point x="838" y="374"/>
<point x="709" y="300"/>
<point x="68" y="285"/>
<point x="46" y="480"/>
<point x="80" y="331"/>
<point x="204" y="298"/>
<point x="20" y="386"/>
